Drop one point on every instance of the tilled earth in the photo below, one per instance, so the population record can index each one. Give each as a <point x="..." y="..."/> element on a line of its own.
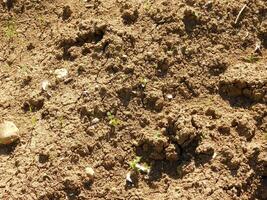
<point x="180" y="85"/>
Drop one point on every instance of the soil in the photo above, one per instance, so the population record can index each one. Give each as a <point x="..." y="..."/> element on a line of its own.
<point x="180" y="83"/>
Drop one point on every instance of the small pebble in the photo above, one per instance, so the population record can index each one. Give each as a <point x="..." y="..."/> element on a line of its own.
<point x="90" y="172"/>
<point x="8" y="132"/>
<point x="149" y="53"/>
<point x="169" y="96"/>
<point x="61" y="73"/>
<point x="95" y="120"/>
<point x="45" y="85"/>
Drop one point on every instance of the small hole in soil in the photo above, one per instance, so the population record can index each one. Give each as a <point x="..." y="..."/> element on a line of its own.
<point x="264" y="40"/>
<point x="87" y="185"/>
<point x="33" y="105"/>
<point x="98" y="36"/>
<point x="43" y="158"/>
<point x="8" y="149"/>
<point x="9" y="4"/>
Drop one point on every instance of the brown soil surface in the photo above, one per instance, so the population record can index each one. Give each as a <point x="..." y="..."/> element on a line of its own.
<point x="180" y="83"/>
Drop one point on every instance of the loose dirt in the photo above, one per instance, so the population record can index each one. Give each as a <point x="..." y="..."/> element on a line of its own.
<point x="93" y="85"/>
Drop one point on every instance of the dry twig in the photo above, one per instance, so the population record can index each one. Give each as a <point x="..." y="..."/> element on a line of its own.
<point x="240" y="14"/>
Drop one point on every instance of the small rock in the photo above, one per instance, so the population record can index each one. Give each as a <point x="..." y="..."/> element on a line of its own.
<point x="8" y="132"/>
<point x="45" y="85"/>
<point x="61" y="73"/>
<point x="124" y="57"/>
<point x="90" y="172"/>
<point x="149" y="53"/>
<point x="169" y="96"/>
<point x="95" y="120"/>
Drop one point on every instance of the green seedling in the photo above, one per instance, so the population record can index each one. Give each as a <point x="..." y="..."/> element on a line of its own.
<point x="251" y="59"/>
<point x="10" y="30"/>
<point x="61" y="120"/>
<point x="133" y="164"/>
<point x="157" y="135"/>
<point x="143" y="82"/>
<point x="34" y="121"/>
<point x="147" y="5"/>
<point x="203" y="136"/>
<point x="30" y="108"/>
<point x="113" y="121"/>
<point x="136" y="166"/>
<point x="42" y="20"/>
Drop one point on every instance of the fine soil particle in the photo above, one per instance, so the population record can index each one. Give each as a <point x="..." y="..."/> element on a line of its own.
<point x="175" y="83"/>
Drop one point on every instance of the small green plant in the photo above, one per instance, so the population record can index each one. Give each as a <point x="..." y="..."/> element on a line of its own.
<point x="147" y="5"/>
<point x="133" y="164"/>
<point x="33" y="120"/>
<point x="41" y="20"/>
<point x="157" y="135"/>
<point x="113" y="121"/>
<point x="203" y="136"/>
<point x="137" y="167"/>
<point x="61" y="120"/>
<point x="251" y="59"/>
<point x="30" y="108"/>
<point x="143" y="82"/>
<point x="10" y="30"/>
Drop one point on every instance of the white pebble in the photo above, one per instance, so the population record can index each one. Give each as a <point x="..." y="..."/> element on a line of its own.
<point x="90" y="172"/>
<point x="61" y="73"/>
<point x="45" y="85"/>
<point x="95" y="120"/>
<point x="169" y="96"/>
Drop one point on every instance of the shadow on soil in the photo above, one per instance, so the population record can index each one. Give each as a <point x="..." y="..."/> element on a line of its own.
<point x="8" y="149"/>
<point x="173" y="169"/>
